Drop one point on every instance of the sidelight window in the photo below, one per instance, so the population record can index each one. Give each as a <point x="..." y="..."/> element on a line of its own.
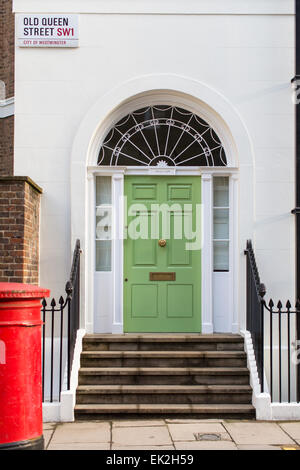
<point x="103" y="223"/>
<point x="221" y="223"/>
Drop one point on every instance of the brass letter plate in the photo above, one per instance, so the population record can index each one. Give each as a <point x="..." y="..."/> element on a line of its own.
<point x="162" y="276"/>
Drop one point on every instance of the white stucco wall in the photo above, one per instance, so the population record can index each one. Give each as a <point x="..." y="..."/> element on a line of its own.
<point x="244" y="51"/>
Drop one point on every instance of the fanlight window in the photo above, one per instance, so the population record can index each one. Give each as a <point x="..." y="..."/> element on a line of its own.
<point x="162" y="136"/>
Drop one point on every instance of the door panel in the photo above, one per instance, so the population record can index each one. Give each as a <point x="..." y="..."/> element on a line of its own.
<point x="144" y="252"/>
<point x="180" y="301"/>
<point x="161" y="305"/>
<point x="177" y="254"/>
<point x="144" y="191"/>
<point x="179" y="191"/>
<point x="144" y="294"/>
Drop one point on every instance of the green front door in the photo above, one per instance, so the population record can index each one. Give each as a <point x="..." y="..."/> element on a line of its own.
<point x="162" y="255"/>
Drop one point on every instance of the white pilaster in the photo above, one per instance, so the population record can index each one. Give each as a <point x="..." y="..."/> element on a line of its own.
<point x="234" y="251"/>
<point x="88" y="322"/>
<point x="117" y="251"/>
<point x="207" y="253"/>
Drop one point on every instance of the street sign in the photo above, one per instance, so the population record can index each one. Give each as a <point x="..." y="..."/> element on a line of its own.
<point x="50" y="30"/>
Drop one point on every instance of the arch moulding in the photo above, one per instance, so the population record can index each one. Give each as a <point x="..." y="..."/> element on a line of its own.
<point x="195" y="96"/>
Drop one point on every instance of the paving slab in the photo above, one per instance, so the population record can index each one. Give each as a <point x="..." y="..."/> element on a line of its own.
<point x="187" y="431"/>
<point x="47" y="436"/>
<point x="80" y="446"/>
<point x="86" y="432"/>
<point x="141" y="436"/>
<point x="186" y="421"/>
<point x="292" y="429"/>
<point x="47" y="426"/>
<point x="116" y="447"/>
<point x="142" y="423"/>
<point x="258" y="447"/>
<point x="205" y="445"/>
<point x="257" y="433"/>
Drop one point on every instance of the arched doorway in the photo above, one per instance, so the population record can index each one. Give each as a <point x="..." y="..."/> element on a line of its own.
<point x="157" y="156"/>
<point x="217" y="111"/>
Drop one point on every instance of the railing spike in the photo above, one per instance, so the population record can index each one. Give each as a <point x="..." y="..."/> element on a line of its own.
<point x="298" y="304"/>
<point x="61" y="300"/>
<point x="288" y="305"/>
<point x="53" y="303"/>
<point x="44" y="303"/>
<point x="279" y="305"/>
<point x="271" y="303"/>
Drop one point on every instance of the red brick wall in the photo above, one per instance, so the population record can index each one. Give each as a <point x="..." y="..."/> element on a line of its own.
<point x="19" y="230"/>
<point x="7" y="45"/>
<point x="31" y="235"/>
<point x="7" y="52"/>
<point x="6" y="146"/>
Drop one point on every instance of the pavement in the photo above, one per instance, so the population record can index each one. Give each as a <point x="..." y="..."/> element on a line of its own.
<point x="173" y="434"/>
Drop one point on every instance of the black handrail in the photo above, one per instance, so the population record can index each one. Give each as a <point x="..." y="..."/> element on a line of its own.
<point x="255" y="301"/>
<point x="256" y="309"/>
<point x="71" y="304"/>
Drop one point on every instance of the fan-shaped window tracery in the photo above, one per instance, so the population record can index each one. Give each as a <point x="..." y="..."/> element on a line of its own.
<point x="162" y="136"/>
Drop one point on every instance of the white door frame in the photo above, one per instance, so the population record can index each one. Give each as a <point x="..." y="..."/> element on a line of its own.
<point x="113" y="282"/>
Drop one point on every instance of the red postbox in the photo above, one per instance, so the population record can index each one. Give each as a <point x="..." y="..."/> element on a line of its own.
<point x="21" y="423"/>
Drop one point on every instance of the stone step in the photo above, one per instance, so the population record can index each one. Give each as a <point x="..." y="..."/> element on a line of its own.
<point x="144" y="375"/>
<point x="163" y="359"/>
<point x="201" y="411"/>
<point x="163" y="342"/>
<point x="171" y="394"/>
<point x="164" y="376"/>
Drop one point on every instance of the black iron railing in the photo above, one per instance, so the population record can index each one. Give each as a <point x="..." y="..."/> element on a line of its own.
<point x="60" y="325"/>
<point x="255" y="310"/>
<point x="273" y="330"/>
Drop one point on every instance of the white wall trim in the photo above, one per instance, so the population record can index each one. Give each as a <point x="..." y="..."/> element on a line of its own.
<point x="189" y="7"/>
<point x="285" y="411"/>
<point x="155" y="171"/>
<point x="265" y="409"/>
<point x="51" y="412"/>
<point x="64" y="410"/>
<point x="261" y="401"/>
<point x="7" y="107"/>
<point x="68" y="398"/>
